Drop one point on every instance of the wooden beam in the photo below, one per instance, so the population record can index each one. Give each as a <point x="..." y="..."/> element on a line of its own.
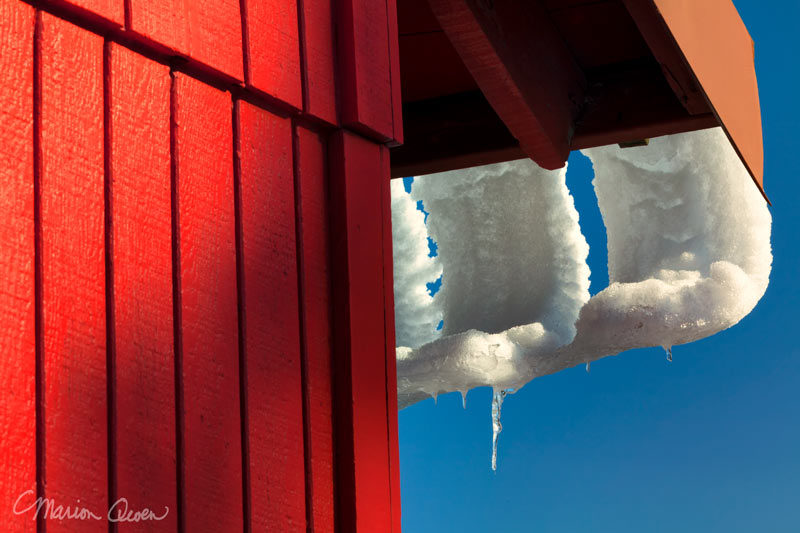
<point x="363" y="471"/>
<point x="717" y="52"/>
<point x="524" y="68"/>
<point x="630" y="104"/>
<point x="459" y="131"/>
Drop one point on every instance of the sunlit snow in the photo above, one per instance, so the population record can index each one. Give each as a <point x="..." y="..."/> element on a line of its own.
<point x="688" y="256"/>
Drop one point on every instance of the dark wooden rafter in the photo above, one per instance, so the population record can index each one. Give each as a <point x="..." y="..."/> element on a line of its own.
<point x="522" y="66"/>
<point x="462" y="130"/>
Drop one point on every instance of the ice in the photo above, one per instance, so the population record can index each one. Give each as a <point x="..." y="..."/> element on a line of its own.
<point x="688" y="247"/>
<point x="497" y="426"/>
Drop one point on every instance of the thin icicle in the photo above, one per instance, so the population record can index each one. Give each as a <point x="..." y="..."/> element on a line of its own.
<point x="464" y="398"/>
<point x="588" y="366"/>
<point x="668" y="350"/>
<point x="497" y="427"/>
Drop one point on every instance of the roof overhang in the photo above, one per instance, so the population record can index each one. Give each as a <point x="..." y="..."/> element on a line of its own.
<point x="491" y="80"/>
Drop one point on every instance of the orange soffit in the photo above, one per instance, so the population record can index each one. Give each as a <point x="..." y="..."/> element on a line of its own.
<point x="720" y="53"/>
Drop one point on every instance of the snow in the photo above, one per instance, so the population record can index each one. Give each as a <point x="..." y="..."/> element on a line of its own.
<point x="416" y="312"/>
<point x="688" y="247"/>
<point x="514" y="274"/>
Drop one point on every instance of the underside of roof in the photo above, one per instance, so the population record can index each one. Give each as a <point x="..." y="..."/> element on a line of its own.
<point x="493" y="80"/>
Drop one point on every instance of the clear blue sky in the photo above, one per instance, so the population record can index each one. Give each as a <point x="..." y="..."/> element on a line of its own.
<point x="709" y="443"/>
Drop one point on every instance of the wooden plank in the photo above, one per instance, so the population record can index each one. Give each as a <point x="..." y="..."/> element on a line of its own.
<point x="273" y="49"/>
<point x="668" y="54"/>
<point x="520" y="62"/>
<point x="113" y="10"/>
<point x="362" y="446"/>
<point x="315" y="275"/>
<point x="633" y="105"/>
<point x="209" y="32"/>
<point x="451" y="132"/>
<point x="600" y="34"/>
<point x="431" y="68"/>
<point x="391" y="352"/>
<point x="17" y="343"/>
<point x="144" y="388"/>
<point x="319" y="59"/>
<point x="211" y="468"/>
<point x="73" y="271"/>
<point x="365" y="68"/>
<point x="271" y="322"/>
<point x="394" y="71"/>
<point x="715" y="44"/>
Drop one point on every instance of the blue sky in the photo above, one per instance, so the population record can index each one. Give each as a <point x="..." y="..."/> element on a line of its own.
<point x="710" y="442"/>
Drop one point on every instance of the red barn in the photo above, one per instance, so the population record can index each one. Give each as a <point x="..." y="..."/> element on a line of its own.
<point x="195" y="241"/>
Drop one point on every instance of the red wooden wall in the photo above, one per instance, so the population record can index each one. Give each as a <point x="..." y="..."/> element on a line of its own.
<point x="195" y="264"/>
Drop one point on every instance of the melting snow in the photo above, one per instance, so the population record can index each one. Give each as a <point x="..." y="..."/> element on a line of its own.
<point x="688" y="248"/>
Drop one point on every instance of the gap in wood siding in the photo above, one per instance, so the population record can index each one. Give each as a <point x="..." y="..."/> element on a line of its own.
<point x="111" y="367"/>
<point x="301" y="292"/>
<point x="301" y="37"/>
<point x="240" y="284"/>
<point x="128" y="17"/>
<point x="176" y="303"/>
<point x="245" y="41"/>
<point x="37" y="271"/>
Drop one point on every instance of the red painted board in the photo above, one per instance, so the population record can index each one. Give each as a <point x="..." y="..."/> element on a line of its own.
<point x="365" y="68"/>
<point x="394" y="66"/>
<point x="211" y="469"/>
<point x="73" y="271"/>
<point x="17" y="343"/>
<point x="113" y="10"/>
<point x="271" y="322"/>
<point x="315" y="276"/>
<point x="209" y="31"/>
<point x="273" y="49"/>
<point x="391" y="357"/>
<point x="721" y="55"/>
<point x="363" y="489"/>
<point x="144" y="368"/>
<point x="318" y="50"/>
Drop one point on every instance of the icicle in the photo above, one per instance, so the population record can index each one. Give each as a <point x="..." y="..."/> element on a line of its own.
<point x="463" y="399"/>
<point x="497" y="427"/>
<point x="588" y="366"/>
<point x="668" y="350"/>
<point x="435" y="397"/>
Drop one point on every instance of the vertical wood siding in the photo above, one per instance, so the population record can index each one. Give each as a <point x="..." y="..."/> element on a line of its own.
<point x="195" y="264"/>
<point x="272" y="49"/>
<point x="210" y="455"/>
<point x="17" y="284"/>
<point x="73" y="269"/>
<point x="270" y="314"/>
<point x="139" y="200"/>
<point x="313" y="213"/>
